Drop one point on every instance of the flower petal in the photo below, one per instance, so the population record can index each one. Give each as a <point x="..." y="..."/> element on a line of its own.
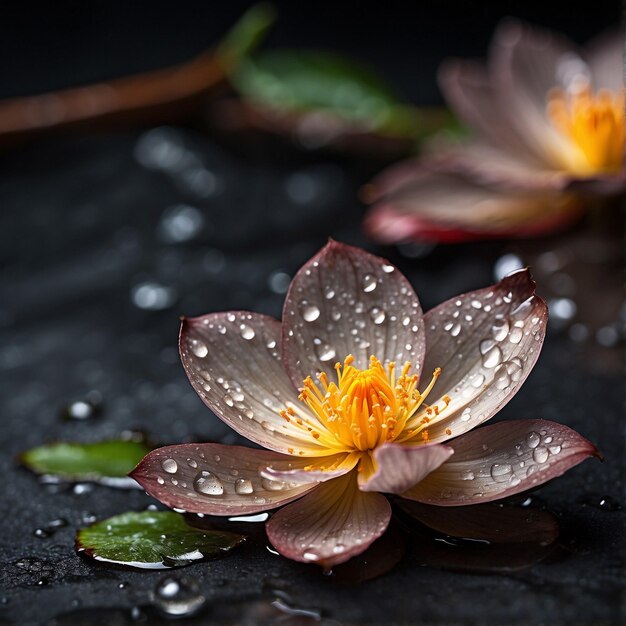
<point x="471" y="94"/>
<point x="500" y="460"/>
<point x="347" y="301"/>
<point x="526" y="63"/>
<point x="486" y="342"/>
<point x="605" y="56"/>
<point x="400" y="467"/>
<point x="443" y="206"/>
<point x="215" y="479"/>
<point x="233" y="362"/>
<point x="319" y="470"/>
<point x="330" y="525"/>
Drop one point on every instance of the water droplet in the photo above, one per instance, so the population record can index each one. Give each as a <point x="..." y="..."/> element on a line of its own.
<point x="369" y="283"/>
<point x="555" y="449"/>
<point x="465" y="416"/>
<point x="500" y="472"/>
<point x="178" y="597"/>
<point x="501" y="377"/>
<point x="541" y="454"/>
<point x="500" y="329"/>
<point x="329" y="293"/>
<point x="208" y="484"/>
<point x="533" y="439"/>
<point x="160" y="480"/>
<point x="309" y="555"/>
<point x="516" y="335"/>
<point x="377" y="315"/>
<point x="387" y="268"/>
<point x="491" y="353"/>
<point x="324" y="351"/>
<point x="522" y="312"/>
<point x="243" y="486"/>
<point x="467" y="475"/>
<point x="455" y="330"/>
<point x="247" y="332"/>
<point x="198" y="347"/>
<point x="310" y="312"/>
<point x="169" y="465"/>
<point x="478" y="380"/>
<point x="192" y="463"/>
<point x="274" y="485"/>
<point x="476" y="304"/>
<point x="228" y="400"/>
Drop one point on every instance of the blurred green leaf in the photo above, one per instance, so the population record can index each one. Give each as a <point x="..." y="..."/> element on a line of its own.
<point x="152" y="540"/>
<point x="303" y="81"/>
<point x="246" y="34"/>
<point x="86" y="461"/>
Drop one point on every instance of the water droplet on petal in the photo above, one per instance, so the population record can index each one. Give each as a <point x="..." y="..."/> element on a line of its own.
<point x="369" y="283"/>
<point x="310" y="312"/>
<point x="491" y="353"/>
<point x="198" y="347"/>
<point x="169" y="465"/>
<point x="533" y="439"/>
<point x="243" y="486"/>
<point x="274" y="485"/>
<point x="500" y="329"/>
<point x="247" y="332"/>
<point x="377" y="315"/>
<point x="324" y="351"/>
<point x="516" y="335"/>
<point x="541" y="454"/>
<point x="500" y="472"/>
<point x="208" y="484"/>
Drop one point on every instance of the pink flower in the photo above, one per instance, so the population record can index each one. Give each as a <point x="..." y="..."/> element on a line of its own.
<point x="334" y="394"/>
<point x="549" y="134"/>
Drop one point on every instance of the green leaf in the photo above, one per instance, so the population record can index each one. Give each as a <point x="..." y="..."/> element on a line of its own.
<point x="304" y="81"/>
<point x="107" y="462"/>
<point x="152" y="540"/>
<point x="246" y="34"/>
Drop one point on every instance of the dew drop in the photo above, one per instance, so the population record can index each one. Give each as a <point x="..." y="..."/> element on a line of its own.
<point x="467" y="475"/>
<point x="533" y="439"/>
<point x="387" y="268"/>
<point x="160" y="480"/>
<point x="274" y="485"/>
<point x="169" y="465"/>
<point x="198" y="347"/>
<point x="208" y="484"/>
<point x="324" y="351"/>
<point x="243" y="486"/>
<point x="500" y="329"/>
<point x="329" y="293"/>
<point x="369" y="283"/>
<point x="310" y="556"/>
<point x="455" y="330"/>
<point x="500" y="472"/>
<point x="247" y="332"/>
<point x="516" y="335"/>
<point x="491" y="353"/>
<point x="377" y="315"/>
<point x="476" y="304"/>
<point x="310" y="312"/>
<point x="502" y="379"/>
<point x="192" y="463"/>
<point x="541" y="454"/>
<point x="478" y="380"/>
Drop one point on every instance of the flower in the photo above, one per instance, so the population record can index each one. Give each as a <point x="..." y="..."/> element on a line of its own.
<point x="341" y="422"/>
<point x="550" y="134"/>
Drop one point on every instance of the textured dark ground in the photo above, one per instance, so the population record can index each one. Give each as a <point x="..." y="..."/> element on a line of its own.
<point x="88" y="237"/>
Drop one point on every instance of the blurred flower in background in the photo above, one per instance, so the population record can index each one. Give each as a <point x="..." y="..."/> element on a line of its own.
<point x="549" y="140"/>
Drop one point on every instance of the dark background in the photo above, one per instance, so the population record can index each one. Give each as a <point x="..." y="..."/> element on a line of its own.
<point x="81" y="227"/>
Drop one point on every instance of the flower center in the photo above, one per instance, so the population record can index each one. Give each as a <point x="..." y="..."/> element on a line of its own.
<point x="365" y="408"/>
<point x="594" y="123"/>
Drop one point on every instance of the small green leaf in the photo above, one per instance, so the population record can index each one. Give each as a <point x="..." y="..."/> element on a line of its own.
<point x="303" y="81"/>
<point x="108" y="462"/>
<point x="246" y="34"/>
<point x="152" y="540"/>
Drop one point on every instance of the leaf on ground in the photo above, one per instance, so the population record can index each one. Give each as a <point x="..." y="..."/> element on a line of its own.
<point x="152" y="540"/>
<point x="107" y="462"/>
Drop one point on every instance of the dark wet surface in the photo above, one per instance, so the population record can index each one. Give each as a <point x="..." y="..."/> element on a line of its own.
<point x="104" y="245"/>
<point x="105" y="241"/>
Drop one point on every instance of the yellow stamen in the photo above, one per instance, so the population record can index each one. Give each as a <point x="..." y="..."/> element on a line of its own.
<point x="594" y="124"/>
<point x="365" y="408"/>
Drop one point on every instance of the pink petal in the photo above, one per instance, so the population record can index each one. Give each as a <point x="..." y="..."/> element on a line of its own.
<point x="215" y="479"/>
<point x="502" y="459"/>
<point x="470" y="92"/>
<point x="401" y="467"/>
<point x="486" y="342"/>
<point x="347" y="301"/>
<point x="526" y="63"/>
<point x="444" y="206"/>
<point x="330" y="525"/>
<point x="233" y="362"/>
<point x="318" y="470"/>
